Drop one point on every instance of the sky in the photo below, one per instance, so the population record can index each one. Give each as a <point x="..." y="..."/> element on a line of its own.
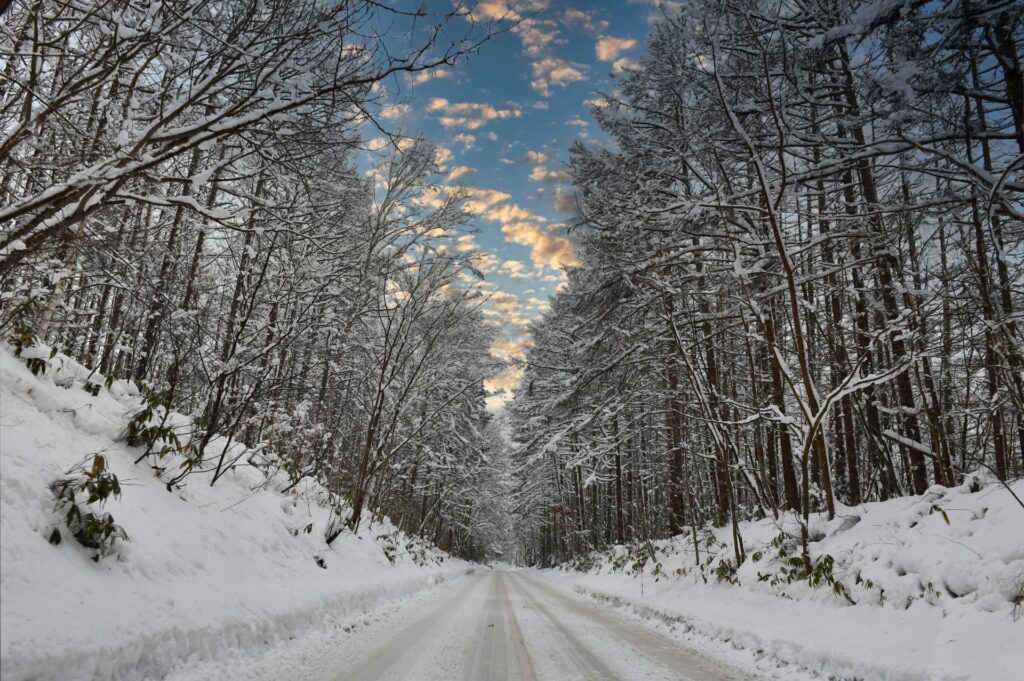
<point x="503" y="122"/>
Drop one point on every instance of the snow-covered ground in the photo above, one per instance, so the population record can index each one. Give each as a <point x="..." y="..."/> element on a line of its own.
<point x="224" y="582"/>
<point x="209" y="573"/>
<point x="936" y="584"/>
<point x="496" y="625"/>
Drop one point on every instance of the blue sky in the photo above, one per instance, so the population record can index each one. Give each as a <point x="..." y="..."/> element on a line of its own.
<point x="503" y="122"/>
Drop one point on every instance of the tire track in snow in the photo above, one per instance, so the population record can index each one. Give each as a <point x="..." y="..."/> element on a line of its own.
<point x="586" y="664"/>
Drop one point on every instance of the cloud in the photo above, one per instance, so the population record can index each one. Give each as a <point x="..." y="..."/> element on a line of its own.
<point x="511" y="212"/>
<point x="551" y="70"/>
<point x="469" y="115"/>
<point x="536" y="35"/>
<point x="510" y="348"/>
<point x="547" y="246"/>
<point x="481" y="200"/>
<point x="502" y="387"/>
<point x="395" y="142"/>
<point x="459" y="171"/>
<point x="582" y="20"/>
<point x="609" y="48"/>
<point x="506" y="308"/>
<point x="540" y="172"/>
<point x="394" y="111"/>
<point x="487" y="263"/>
<point x="430" y="196"/>
<point x="494" y="10"/>
<point x="669" y="7"/>
<point x="467" y="141"/>
<point x="515" y="269"/>
<point x="565" y="200"/>
<point x="505" y="314"/>
<point x="503" y="297"/>
<point x="465" y="243"/>
<point x="536" y="157"/>
<point x="441" y="156"/>
<point x="625" y="64"/>
<point x="432" y="74"/>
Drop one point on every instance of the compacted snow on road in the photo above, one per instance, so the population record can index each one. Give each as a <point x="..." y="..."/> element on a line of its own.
<point x="493" y="624"/>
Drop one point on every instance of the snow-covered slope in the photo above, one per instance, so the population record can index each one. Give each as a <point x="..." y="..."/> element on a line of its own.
<point x="208" y="571"/>
<point x="920" y="588"/>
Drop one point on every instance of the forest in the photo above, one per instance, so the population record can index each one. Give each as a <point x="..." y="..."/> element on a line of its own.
<point x="335" y="343"/>
<point x="181" y="206"/>
<point x="800" y="278"/>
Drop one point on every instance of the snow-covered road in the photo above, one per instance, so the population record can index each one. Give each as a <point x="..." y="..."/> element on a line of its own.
<point x="511" y="625"/>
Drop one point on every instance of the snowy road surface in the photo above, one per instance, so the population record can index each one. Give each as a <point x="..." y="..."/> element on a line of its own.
<point x="511" y="625"/>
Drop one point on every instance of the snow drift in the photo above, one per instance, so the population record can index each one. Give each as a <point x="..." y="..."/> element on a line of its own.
<point x="207" y="572"/>
<point x="914" y="588"/>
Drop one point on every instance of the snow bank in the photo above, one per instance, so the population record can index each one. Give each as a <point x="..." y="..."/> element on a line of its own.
<point x="208" y="572"/>
<point x="920" y="588"/>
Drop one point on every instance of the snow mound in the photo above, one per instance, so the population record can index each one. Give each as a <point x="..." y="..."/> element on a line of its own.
<point x="914" y="588"/>
<point x="208" y="571"/>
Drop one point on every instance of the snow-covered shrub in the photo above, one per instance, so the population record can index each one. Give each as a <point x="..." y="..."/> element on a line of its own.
<point x="21" y="311"/>
<point x="414" y="548"/>
<point x="787" y="568"/>
<point x="584" y="562"/>
<point x="150" y="425"/>
<point x="80" y="499"/>
<point x="26" y="346"/>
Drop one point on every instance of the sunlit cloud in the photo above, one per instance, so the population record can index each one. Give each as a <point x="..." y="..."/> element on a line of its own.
<point x="432" y="74"/>
<point x="552" y="70"/>
<point x="441" y="156"/>
<point x="536" y="35"/>
<point x="510" y="348"/>
<point x="459" y="171"/>
<point x="541" y="172"/>
<point x="502" y="387"/>
<point x="494" y="10"/>
<point x="393" y="112"/>
<point x="515" y="269"/>
<point x="582" y="20"/>
<point x="482" y="200"/>
<point x="465" y="140"/>
<point x="625" y="64"/>
<point x="547" y="246"/>
<point x="469" y="115"/>
<point x="565" y="200"/>
<point x="608" y="48"/>
<point x="465" y="243"/>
